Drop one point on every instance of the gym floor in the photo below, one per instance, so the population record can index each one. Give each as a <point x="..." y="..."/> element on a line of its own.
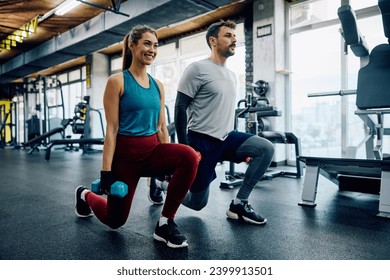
<point x="38" y="222"/>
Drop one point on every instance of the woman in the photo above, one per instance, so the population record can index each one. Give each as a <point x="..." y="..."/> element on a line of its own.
<point x="136" y="143"/>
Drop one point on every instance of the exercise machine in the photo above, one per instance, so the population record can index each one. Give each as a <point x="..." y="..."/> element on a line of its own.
<point x="11" y="117"/>
<point x="256" y="109"/>
<point x="80" y="126"/>
<point x="44" y="112"/>
<point x="4" y="124"/>
<point x="277" y="137"/>
<point x="372" y="98"/>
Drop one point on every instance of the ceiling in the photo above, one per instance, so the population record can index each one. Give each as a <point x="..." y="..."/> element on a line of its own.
<point x="61" y="42"/>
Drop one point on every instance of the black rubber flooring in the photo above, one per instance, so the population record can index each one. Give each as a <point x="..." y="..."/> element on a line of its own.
<point x="37" y="219"/>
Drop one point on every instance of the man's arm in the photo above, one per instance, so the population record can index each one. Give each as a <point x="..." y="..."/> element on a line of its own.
<point x="181" y="105"/>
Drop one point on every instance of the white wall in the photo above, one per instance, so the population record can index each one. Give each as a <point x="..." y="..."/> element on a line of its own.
<point x="269" y="57"/>
<point x="99" y="74"/>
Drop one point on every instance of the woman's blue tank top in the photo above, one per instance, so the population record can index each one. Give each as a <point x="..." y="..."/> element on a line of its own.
<point x="139" y="107"/>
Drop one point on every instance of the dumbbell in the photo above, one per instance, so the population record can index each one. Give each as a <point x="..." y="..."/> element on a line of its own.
<point x="118" y="188"/>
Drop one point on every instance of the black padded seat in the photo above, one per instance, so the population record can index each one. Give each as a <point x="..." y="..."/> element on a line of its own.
<point x="374" y="80"/>
<point x="274" y="136"/>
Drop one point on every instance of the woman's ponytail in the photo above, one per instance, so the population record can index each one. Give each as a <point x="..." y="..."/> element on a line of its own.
<point x="126" y="53"/>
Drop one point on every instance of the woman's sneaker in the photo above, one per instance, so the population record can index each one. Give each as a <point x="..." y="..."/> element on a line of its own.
<point x="82" y="209"/>
<point x="244" y="211"/>
<point x="155" y="193"/>
<point x="169" y="234"/>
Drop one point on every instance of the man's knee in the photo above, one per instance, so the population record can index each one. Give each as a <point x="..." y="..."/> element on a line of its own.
<point x="256" y="146"/>
<point x="269" y="148"/>
<point x="196" y="200"/>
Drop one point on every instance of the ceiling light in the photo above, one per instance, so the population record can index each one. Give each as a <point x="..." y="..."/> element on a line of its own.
<point x="66" y="7"/>
<point x="19" y="35"/>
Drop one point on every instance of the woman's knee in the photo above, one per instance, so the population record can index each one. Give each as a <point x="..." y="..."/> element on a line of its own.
<point x="116" y="222"/>
<point x="189" y="156"/>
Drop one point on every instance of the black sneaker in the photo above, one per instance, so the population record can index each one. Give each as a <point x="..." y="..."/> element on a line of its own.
<point x="82" y="209"/>
<point x="155" y="193"/>
<point x="169" y="234"/>
<point x="245" y="211"/>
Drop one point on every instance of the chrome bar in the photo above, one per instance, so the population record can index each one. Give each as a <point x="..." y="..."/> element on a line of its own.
<point x="333" y="93"/>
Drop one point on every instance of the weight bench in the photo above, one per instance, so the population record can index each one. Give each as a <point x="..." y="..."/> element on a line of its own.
<point x="35" y="142"/>
<point x="81" y="141"/>
<point x="332" y="168"/>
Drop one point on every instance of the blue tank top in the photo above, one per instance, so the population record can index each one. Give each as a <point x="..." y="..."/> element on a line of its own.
<point x="139" y="107"/>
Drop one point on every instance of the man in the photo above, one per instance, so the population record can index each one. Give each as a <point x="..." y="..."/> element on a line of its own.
<point x="205" y="105"/>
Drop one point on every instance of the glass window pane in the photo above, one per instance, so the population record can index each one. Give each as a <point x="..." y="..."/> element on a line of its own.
<point x="372" y="30"/>
<point x="166" y="52"/>
<point x="316" y="120"/>
<point x="240" y="34"/>
<point x="167" y="74"/>
<point x="359" y="4"/>
<point x="236" y="63"/>
<point x="193" y="44"/>
<point x="116" y="64"/>
<point x="310" y="12"/>
<point x="63" y="78"/>
<point x="83" y="72"/>
<point x="74" y="75"/>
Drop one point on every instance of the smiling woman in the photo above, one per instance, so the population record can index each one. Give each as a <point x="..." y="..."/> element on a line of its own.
<point x="136" y="143"/>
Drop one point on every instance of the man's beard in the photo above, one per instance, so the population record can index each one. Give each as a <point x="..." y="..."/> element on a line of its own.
<point x="229" y="52"/>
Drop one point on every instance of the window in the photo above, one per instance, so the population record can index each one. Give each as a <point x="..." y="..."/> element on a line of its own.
<point x="310" y="12"/>
<point x="327" y="125"/>
<point x="316" y="120"/>
<point x="166" y="52"/>
<point x="193" y="44"/>
<point x="359" y="4"/>
<point x="168" y="73"/>
<point x="63" y="78"/>
<point x="116" y="64"/>
<point x="74" y="75"/>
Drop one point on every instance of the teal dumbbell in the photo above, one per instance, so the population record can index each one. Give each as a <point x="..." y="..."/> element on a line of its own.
<point x="118" y="189"/>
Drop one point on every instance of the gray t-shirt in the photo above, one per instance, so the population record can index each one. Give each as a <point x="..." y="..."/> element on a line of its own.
<point x="213" y="89"/>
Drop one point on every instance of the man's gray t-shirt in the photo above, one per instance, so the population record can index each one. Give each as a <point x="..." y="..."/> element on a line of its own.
<point x="213" y="89"/>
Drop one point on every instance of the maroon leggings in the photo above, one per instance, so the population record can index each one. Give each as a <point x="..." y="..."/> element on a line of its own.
<point x="145" y="156"/>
